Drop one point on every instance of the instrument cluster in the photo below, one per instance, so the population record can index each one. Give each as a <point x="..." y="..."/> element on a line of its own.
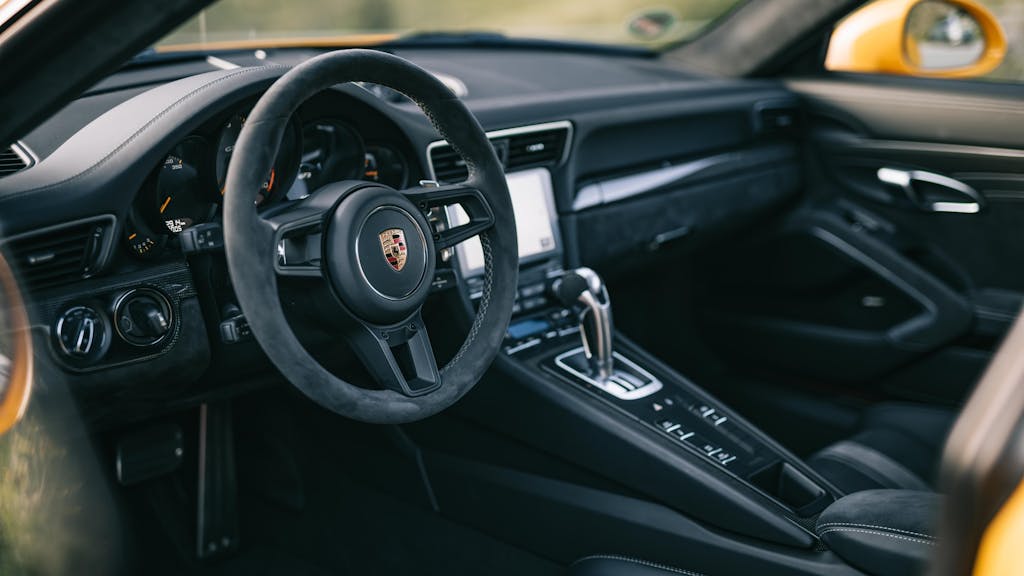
<point x="188" y="185"/>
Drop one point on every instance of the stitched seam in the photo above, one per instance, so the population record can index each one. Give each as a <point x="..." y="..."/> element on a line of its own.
<point x="485" y="300"/>
<point x="854" y="525"/>
<point x="880" y="533"/>
<point x="143" y="129"/>
<point x="640" y="562"/>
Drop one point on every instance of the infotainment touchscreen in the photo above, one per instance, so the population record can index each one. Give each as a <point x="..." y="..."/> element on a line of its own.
<point x="536" y="222"/>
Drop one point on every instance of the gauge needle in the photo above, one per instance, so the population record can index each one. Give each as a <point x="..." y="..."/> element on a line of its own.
<point x="164" y="205"/>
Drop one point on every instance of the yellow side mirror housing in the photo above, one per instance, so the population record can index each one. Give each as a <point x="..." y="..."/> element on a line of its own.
<point x="931" y="38"/>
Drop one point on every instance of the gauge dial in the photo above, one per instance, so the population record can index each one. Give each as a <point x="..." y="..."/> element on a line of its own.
<point x="171" y="200"/>
<point x="386" y="165"/>
<point x="178" y="199"/>
<point x="331" y="151"/>
<point x="143" y="242"/>
<point x="282" y="173"/>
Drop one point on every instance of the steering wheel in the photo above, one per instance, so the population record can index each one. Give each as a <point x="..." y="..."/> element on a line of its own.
<point x="367" y="252"/>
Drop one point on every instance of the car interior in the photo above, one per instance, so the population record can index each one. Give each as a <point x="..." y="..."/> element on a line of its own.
<point x="458" y="304"/>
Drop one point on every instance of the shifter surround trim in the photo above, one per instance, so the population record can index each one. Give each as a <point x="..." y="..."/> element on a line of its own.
<point x="654" y="385"/>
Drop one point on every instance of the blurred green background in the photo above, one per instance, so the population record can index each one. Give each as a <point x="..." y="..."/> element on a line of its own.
<point x="602" y="21"/>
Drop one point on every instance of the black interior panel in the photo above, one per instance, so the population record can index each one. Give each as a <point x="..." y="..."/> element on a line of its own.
<point x="865" y="288"/>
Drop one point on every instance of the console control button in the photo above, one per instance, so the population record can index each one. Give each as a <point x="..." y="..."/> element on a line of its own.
<point x="532" y="290"/>
<point x="667" y="425"/>
<point x="709" y="449"/>
<point x="681" y="434"/>
<point x="533" y="303"/>
<point x="723" y="457"/>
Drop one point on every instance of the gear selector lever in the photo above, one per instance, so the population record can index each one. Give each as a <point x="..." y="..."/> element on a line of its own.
<point x="596" y="363"/>
<point x="582" y="289"/>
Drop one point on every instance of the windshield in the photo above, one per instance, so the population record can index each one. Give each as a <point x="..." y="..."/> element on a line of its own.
<point x="638" y="23"/>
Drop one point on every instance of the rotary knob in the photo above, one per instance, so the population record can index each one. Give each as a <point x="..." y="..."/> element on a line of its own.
<point x="142" y="317"/>
<point x="82" y="333"/>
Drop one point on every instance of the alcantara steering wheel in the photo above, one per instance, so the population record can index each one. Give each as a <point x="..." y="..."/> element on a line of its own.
<point x="368" y="250"/>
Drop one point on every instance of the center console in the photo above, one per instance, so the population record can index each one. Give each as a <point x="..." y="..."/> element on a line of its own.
<point x="653" y="430"/>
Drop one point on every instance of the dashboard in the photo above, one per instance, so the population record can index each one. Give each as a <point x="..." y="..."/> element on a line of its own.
<point x="319" y="146"/>
<point x="114" y="221"/>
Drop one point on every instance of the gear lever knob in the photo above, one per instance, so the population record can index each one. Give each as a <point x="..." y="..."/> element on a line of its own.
<point x="583" y="290"/>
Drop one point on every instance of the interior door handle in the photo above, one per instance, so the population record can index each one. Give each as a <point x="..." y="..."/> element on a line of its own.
<point x="950" y="195"/>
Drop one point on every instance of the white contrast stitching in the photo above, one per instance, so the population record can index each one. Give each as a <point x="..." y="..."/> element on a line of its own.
<point x="640" y="562"/>
<point x="854" y="525"/>
<point x="880" y="533"/>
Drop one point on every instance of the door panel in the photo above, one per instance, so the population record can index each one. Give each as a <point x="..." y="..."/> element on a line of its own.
<point x="901" y="272"/>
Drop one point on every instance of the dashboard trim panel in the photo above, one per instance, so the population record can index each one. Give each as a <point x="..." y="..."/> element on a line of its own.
<point x="617" y="189"/>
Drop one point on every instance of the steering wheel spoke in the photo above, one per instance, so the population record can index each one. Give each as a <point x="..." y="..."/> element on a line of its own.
<point x="298" y="241"/>
<point x="479" y="216"/>
<point x="399" y="357"/>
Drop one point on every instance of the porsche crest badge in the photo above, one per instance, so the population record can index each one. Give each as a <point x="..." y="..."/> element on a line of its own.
<point x="392" y="242"/>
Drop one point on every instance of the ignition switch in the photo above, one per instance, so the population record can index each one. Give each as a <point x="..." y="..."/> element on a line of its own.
<point x="143" y="317"/>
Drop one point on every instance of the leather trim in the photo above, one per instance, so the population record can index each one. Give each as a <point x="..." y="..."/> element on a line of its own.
<point x="886" y="533"/>
<point x="882" y="532"/>
<point x="875" y="527"/>
<point x="625" y="559"/>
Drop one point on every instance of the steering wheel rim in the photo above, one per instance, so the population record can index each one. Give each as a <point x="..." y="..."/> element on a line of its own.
<point x="251" y="242"/>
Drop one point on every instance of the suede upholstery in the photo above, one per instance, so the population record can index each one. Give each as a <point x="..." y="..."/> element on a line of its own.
<point x="882" y="532"/>
<point x="251" y="252"/>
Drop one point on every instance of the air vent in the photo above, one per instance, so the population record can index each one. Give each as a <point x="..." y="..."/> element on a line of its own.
<point x="60" y="255"/>
<point x="517" y="148"/>
<point x="536" y="148"/>
<point x="448" y="165"/>
<point x="13" y="159"/>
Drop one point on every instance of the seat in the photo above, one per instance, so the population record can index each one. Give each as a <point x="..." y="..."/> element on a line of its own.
<point x="899" y="446"/>
<point x="622" y="566"/>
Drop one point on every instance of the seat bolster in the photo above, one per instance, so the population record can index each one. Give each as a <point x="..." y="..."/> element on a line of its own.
<point x="852" y="467"/>
<point x="882" y="532"/>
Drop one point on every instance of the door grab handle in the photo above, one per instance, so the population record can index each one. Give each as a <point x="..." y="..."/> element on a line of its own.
<point x="905" y="179"/>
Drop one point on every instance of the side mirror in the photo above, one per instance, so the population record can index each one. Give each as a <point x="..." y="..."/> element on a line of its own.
<point x="933" y="38"/>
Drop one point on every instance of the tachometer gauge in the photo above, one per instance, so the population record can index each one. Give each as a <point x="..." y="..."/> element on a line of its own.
<point x="282" y="173"/>
<point x="385" y="165"/>
<point x="331" y="151"/>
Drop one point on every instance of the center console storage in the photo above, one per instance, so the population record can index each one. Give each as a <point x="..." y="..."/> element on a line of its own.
<point x="666" y="438"/>
<point x="594" y="398"/>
